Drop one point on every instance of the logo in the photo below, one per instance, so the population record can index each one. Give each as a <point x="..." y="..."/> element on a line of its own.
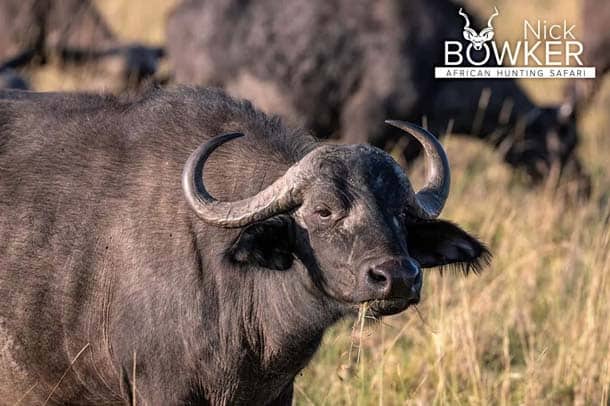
<point x="486" y="34"/>
<point x="545" y="51"/>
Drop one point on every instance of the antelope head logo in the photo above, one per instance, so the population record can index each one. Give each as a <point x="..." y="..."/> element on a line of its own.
<point x="482" y="37"/>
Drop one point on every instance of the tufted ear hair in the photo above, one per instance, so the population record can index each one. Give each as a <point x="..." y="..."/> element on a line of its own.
<point x="268" y="244"/>
<point x="437" y="243"/>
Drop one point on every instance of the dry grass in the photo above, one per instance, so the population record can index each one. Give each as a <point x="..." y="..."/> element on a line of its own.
<point x="534" y="328"/>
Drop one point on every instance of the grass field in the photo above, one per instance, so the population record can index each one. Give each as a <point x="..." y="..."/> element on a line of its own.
<point x="533" y="328"/>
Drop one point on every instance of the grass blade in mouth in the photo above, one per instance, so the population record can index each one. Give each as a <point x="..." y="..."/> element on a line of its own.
<point x="356" y="337"/>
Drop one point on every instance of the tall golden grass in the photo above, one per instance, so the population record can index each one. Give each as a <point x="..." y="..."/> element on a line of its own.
<point x="533" y="328"/>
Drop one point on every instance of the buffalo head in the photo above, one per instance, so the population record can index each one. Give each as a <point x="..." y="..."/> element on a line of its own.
<point x="349" y="212"/>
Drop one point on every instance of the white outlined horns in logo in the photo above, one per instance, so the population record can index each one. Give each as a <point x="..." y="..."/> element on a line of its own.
<point x="486" y="34"/>
<point x="548" y="49"/>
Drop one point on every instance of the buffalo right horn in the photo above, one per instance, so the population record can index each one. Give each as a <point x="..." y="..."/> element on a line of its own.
<point x="428" y="202"/>
<point x="282" y="195"/>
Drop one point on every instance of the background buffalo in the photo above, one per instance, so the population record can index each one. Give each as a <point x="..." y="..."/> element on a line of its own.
<point x="70" y="31"/>
<point x="340" y="66"/>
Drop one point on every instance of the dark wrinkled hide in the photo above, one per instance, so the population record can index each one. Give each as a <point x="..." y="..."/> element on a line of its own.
<point x="339" y="67"/>
<point x="31" y="31"/>
<point x="99" y="247"/>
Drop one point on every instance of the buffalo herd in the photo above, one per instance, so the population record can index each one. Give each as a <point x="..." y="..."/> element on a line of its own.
<point x="190" y="245"/>
<point x="336" y="79"/>
<point x="373" y="61"/>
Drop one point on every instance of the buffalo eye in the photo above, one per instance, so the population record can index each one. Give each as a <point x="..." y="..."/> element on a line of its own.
<point x="323" y="213"/>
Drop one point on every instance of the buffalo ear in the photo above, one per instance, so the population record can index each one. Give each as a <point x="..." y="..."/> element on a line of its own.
<point x="437" y="243"/>
<point x="268" y="244"/>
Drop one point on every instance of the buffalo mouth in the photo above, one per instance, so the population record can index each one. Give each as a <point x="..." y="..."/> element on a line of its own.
<point x="389" y="307"/>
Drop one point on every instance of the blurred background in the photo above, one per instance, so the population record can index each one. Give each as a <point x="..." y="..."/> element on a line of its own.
<point x="532" y="328"/>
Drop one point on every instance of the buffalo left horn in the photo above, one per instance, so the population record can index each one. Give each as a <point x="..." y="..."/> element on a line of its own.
<point x="428" y="202"/>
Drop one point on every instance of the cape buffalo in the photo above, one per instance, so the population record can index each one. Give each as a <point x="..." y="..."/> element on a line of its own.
<point x="338" y="67"/>
<point x="151" y="254"/>
<point x="31" y="31"/>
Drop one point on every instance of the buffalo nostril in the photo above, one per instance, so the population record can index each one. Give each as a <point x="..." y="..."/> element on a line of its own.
<point x="391" y="279"/>
<point x="377" y="276"/>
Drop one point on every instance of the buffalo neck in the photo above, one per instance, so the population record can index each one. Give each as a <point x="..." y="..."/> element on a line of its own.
<point x="264" y="324"/>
